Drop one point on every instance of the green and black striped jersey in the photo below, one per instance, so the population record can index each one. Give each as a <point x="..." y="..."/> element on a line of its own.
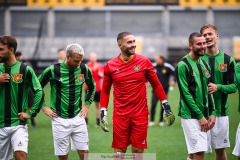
<point x="192" y="77"/>
<point x="14" y="94"/>
<point x="66" y="88"/>
<point x="237" y="82"/>
<point x="222" y="74"/>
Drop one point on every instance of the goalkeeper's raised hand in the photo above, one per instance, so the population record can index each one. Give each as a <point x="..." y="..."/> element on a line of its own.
<point x="103" y="117"/>
<point x="169" y="117"/>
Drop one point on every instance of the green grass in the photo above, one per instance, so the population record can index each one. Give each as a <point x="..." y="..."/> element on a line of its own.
<point x="167" y="142"/>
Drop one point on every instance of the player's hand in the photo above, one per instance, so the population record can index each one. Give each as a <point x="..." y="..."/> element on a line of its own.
<point x="169" y="117"/>
<point x="84" y="111"/>
<point x="212" y="88"/>
<point x="23" y="116"/>
<point x="49" y="112"/>
<point x="204" y="124"/>
<point x="103" y="117"/>
<point x="4" y="78"/>
<point x="211" y="121"/>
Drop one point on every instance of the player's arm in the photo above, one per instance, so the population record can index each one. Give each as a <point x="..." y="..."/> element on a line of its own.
<point x="159" y="91"/>
<point x="104" y="100"/>
<point x="237" y="81"/>
<point x="37" y="91"/>
<point x="44" y="78"/>
<point x="181" y="75"/>
<point x="231" y="87"/>
<point x="91" y="87"/>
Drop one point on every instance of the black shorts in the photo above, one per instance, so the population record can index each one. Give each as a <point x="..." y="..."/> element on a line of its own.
<point x="97" y="96"/>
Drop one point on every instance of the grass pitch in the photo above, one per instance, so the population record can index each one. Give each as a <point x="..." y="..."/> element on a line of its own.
<point x="167" y="142"/>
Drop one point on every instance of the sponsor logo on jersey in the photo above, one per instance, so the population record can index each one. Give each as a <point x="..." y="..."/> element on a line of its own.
<point x="136" y="68"/>
<point x="222" y="67"/>
<point x="207" y="74"/>
<point x="17" y="78"/>
<point x="164" y="71"/>
<point x="81" y="78"/>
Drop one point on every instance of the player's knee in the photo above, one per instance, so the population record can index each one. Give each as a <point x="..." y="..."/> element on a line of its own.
<point x="137" y="150"/>
<point x="19" y="155"/>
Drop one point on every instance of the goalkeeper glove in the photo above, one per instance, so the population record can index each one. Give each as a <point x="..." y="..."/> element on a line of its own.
<point x="103" y="117"/>
<point x="169" y="117"/>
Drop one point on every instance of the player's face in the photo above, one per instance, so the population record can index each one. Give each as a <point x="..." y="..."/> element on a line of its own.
<point x="211" y="37"/>
<point x="158" y="60"/>
<point x="4" y="53"/>
<point x="128" y="45"/>
<point x="199" y="46"/>
<point x="74" y="61"/>
<point x="61" y="55"/>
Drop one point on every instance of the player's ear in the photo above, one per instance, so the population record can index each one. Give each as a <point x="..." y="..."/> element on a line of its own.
<point x="119" y="43"/>
<point x="190" y="46"/>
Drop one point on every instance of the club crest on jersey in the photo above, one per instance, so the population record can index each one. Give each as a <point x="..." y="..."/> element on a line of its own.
<point x="222" y="67"/>
<point x="136" y="68"/>
<point x="207" y="74"/>
<point x="81" y="78"/>
<point x="17" y="78"/>
<point x="164" y="71"/>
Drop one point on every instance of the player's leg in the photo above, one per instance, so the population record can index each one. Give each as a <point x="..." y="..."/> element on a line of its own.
<point x="236" y="150"/>
<point x="221" y="154"/>
<point x="138" y="136"/>
<point x="121" y="134"/>
<point x="153" y="109"/>
<point x="198" y="156"/>
<point x="196" y="140"/>
<point x="61" y="131"/>
<point x="81" y="153"/>
<point x="97" y="104"/>
<point x="220" y="137"/>
<point x="79" y="136"/>
<point x="19" y="141"/>
<point x="6" y="148"/>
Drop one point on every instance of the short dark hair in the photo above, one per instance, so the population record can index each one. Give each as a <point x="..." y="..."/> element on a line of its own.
<point x="59" y="50"/>
<point x="122" y="35"/>
<point x="10" y="41"/>
<point x="205" y="26"/>
<point x="192" y="36"/>
<point x="161" y="57"/>
<point x="18" y="53"/>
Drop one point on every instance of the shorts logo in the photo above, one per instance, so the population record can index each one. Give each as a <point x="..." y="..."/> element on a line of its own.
<point x="207" y="74"/>
<point x="222" y="67"/>
<point x="117" y="71"/>
<point x="20" y="144"/>
<point x="136" y="68"/>
<point x="164" y="71"/>
<point x="17" y="78"/>
<point x="81" y="78"/>
<point x="225" y="141"/>
<point x="144" y="142"/>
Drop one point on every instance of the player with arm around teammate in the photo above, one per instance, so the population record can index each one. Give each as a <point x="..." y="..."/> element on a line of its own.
<point x="221" y="84"/>
<point x="196" y="106"/>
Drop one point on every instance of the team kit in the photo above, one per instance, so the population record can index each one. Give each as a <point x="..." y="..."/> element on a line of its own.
<point x="205" y="77"/>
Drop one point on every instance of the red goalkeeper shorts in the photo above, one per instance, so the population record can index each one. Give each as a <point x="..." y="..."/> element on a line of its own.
<point x="128" y="131"/>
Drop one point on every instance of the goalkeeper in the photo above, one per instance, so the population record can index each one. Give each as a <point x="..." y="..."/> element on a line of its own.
<point x="128" y="73"/>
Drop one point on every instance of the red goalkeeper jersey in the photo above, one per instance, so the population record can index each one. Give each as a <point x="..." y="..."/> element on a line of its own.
<point x="129" y="85"/>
